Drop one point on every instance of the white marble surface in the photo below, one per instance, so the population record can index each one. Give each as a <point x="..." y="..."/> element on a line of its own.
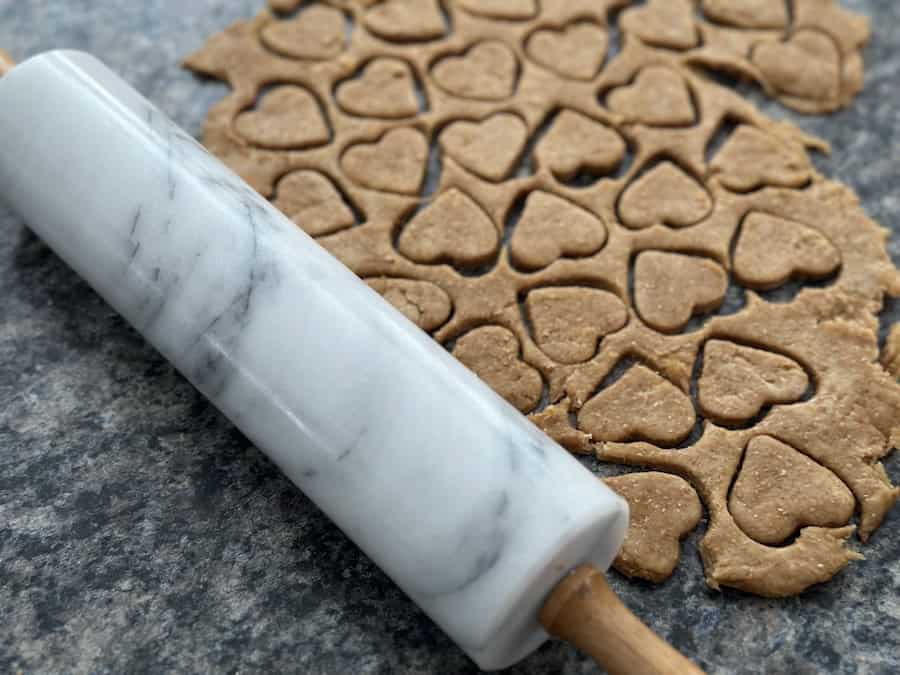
<point x="446" y="487"/>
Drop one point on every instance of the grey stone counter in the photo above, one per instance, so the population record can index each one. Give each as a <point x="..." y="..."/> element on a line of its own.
<point x="140" y="533"/>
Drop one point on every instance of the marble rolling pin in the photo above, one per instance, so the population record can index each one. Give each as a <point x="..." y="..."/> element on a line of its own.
<point x="491" y="528"/>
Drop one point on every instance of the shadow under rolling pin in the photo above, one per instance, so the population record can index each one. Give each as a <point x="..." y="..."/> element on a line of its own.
<point x="477" y="515"/>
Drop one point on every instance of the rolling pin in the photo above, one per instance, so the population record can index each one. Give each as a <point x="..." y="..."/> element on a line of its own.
<point x="496" y="532"/>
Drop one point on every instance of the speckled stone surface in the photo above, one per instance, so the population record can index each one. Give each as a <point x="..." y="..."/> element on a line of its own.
<point x="140" y="533"/>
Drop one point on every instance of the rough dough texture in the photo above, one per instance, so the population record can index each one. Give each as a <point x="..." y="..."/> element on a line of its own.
<point x="770" y="504"/>
<point x="663" y="509"/>
<point x="567" y="220"/>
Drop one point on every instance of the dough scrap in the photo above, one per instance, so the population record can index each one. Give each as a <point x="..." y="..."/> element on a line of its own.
<point x="645" y="179"/>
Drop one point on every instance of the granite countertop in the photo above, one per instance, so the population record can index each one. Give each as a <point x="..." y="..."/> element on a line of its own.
<point x="139" y="532"/>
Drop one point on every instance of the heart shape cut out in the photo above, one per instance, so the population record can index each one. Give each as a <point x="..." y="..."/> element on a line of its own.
<point x="550" y="227"/>
<point x="315" y="33"/>
<point x="568" y="323"/>
<point x="576" y="143"/>
<point x="394" y="163"/>
<point x="779" y="490"/>
<point x="669" y="288"/>
<point x="286" y="118"/>
<point x="639" y="406"/>
<point x="385" y="88"/>
<point x="760" y="14"/>
<point x="737" y="381"/>
<point x="489" y="148"/>
<point x="406" y="20"/>
<point x="807" y="66"/>
<point x="422" y="302"/>
<point x="493" y="353"/>
<point x="770" y="250"/>
<point x="664" y="195"/>
<point x="575" y="51"/>
<point x="663" y="510"/>
<point x="507" y="10"/>
<point x="486" y="71"/>
<point x="313" y="202"/>
<point x="659" y="96"/>
<point x="752" y="159"/>
<point x="662" y="23"/>
<point x="454" y="229"/>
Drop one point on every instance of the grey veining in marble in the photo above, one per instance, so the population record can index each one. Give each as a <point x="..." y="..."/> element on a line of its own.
<point x="448" y="488"/>
<point x="139" y="532"/>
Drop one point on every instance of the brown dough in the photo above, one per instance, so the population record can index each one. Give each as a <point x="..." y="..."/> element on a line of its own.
<point x="385" y="88"/>
<point x="663" y="510"/>
<point x="639" y="405"/>
<point x="770" y="250"/>
<point x="669" y="288"/>
<point x="571" y="227"/>
<point x="570" y="322"/>
<point x="574" y="51"/>
<point x="312" y="201"/>
<point x="658" y="97"/>
<point x="426" y="305"/>
<point x="485" y="71"/>
<point x="492" y="353"/>
<point x="768" y="502"/>
<point x="317" y="33"/>
<point x="551" y="227"/>
<point x="737" y="381"/>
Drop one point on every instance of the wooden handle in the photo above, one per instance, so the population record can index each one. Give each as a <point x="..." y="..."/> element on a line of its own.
<point x="584" y="611"/>
<point x="6" y="63"/>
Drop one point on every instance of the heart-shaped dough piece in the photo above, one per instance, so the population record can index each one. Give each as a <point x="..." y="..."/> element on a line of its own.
<point x="658" y="96"/>
<point x="662" y="23"/>
<point x="489" y="148"/>
<point x="575" y="51"/>
<point x="663" y="509"/>
<point x="493" y="353"/>
<point x="779" y="490"/>
<point x="507" y="10"/>
<point x="286" y="118"/>
<point x="806" y="66"/>
<point x="747" y="13"/>
<point x="569" y="322"/>
<point x="313" y="202"/>
<point x="394" y="163"/>
<point x="576" y="143"/>
<point x="486" y="71"/>
<point x="751" y="159"/>
<point x="639" y="406"/>
<point x="406" y="20"/>
<point x="385" y="88"/>
<point x="550" y="227"/>
<point x="664" y="195"/>
<point x="451" y="229"/>
<point x="425" y="304"/>
<point x="669" y="288"/>
<point x="770" y="250"/>
<point x="315" y="33"/>
<point x="738" y="381"/>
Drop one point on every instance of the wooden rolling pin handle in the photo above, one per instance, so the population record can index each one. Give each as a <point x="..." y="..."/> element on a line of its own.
<point x="584" y="611"/>
<point x="6" y="63"/>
